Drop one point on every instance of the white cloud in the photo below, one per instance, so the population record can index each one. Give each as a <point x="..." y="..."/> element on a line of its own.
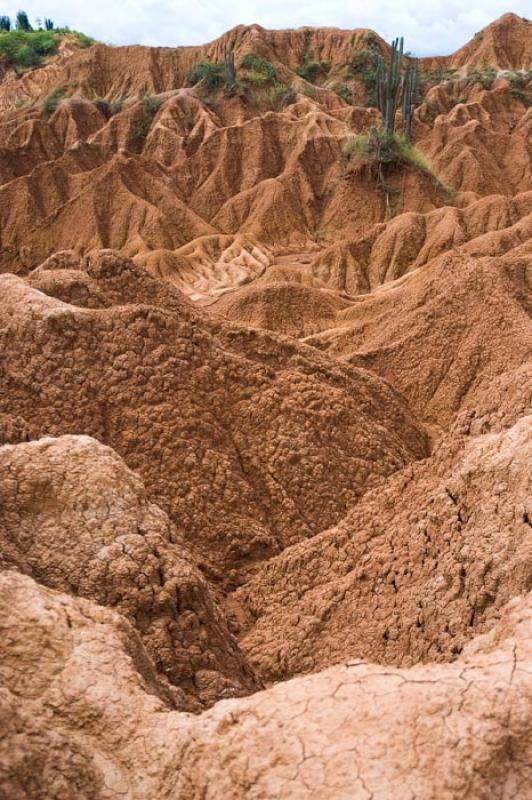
<point x="436" y="28"/>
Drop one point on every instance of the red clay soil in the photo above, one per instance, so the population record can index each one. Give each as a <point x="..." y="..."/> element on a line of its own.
<point x="265" y="452"/>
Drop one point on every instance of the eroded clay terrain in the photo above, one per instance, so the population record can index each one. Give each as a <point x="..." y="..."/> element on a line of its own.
<point x="265" y="450"/>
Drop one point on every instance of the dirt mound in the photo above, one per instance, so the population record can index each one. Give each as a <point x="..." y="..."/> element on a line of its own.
<point x="386" y="252"/>
<point x="413" y="572"/>
<point x="287" y="307"/>
<point x="442" y="313"/>
<point x="76" y="519"/>
<point x="80" y="724"/>
<point x="189" y="408"/>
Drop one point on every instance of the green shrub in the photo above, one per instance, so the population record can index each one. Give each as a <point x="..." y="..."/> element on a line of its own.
<point x="364" y="67"/>
<point x="5" y="23"/>
<point x="27" y="49"/>
<point x="209" y="74"/>
<point x="116" y="106"/>
<point x="523" y="97"/>
<point x="52" y="101"/>
<point x="311" y="69"/>
<point x="142" y="125"/>
<point x="259" y="69"/>
<point x="428" y="112"/>
<point x="281" y="96"/>
<point x="435" y="77"/>
<point x="344" y="92"/>
<point x="519" y="80"/>
<point x="151" y="105"/>
<point x="309" y="91"/>
<point x="485" y="77"/>
<point x="102" y="106"/>
<point x="391" y="149"/>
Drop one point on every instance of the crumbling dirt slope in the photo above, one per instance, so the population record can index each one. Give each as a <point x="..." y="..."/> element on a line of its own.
<point x="265" y="451"/>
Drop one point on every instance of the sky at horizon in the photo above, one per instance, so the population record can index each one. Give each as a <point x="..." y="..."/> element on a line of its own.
<point x="436" y="29"/>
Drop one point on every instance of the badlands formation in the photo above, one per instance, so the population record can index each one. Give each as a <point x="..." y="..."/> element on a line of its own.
<point x="265" y="448"/>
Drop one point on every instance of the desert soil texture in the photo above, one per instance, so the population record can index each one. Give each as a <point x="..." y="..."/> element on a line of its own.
<point x="266" y="419"/>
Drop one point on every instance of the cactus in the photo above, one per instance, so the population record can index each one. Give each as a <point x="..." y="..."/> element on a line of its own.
<point x="230" y="70"/>
<point x="397" y="88"/>
<point x="410" y="98"/>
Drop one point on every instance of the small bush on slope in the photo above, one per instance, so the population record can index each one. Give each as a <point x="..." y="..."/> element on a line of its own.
<point x="364" y="67"/>
<point x="142" y="125"/>
<point x="258" y="69"/>
<point x="393" y="149"/>
<point x="209" y="74"/>
<point x="311" y="68"/>
<point x="344" y="92"/>
<point x="281" y="96"/>
<point x="485" y="77"/>
<point x="52" y="101"/>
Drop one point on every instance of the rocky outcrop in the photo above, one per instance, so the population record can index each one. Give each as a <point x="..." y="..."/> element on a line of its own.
<point x="248" y="442"/>
<point x="76" y="519"/>
<point x="79" y="722"/>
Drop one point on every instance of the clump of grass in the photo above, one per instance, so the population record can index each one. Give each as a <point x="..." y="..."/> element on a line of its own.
<point x="116" y="106"/>
<point x="523" y="97"/>
<point x="485" y="77"/>
<point x="384" y="149"/>
<point x="519" y="80"/>
<point x="257" y="70"/>
<point x="82" y="40"/>
<point x="356" y="146"/>
<point x="344" y="92"/>
<point x="281" y="96"/>
<point x="142" y="125"/>
<point x="209" y="74"/>
<point x="311" y="68"/>
<point x="51" y="102"/>
<point x="102" y="106"/>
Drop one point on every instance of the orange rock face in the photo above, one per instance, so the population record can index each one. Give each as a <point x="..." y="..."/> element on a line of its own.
<point x="265" y="451"/>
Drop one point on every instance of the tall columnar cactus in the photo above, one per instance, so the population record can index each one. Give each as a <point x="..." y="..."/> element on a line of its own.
<point x="410" y="97"/>
<point x="397" y="88"/>
<point x="389" y="85"/>
<point x="230" y="70"/>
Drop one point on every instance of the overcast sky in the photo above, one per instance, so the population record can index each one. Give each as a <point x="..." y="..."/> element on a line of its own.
<point x="434" y="27"/>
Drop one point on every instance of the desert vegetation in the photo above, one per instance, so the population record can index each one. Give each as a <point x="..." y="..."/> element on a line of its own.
<point x="312" y="68"/>
<point x="25" y="46"/>
<point x="257" y="71"/>
<point x="52" y="100"/>
<point x="395" y="87"/>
